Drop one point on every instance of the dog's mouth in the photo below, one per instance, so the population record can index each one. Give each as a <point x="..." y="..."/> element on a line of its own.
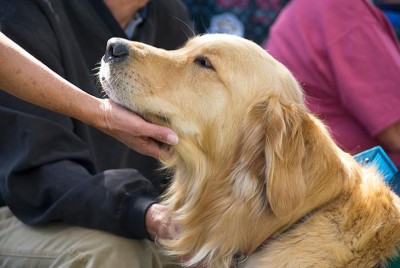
<point x="115" y="95"/>
<point x="107" y="87"/>
<point x="151" y="117"/>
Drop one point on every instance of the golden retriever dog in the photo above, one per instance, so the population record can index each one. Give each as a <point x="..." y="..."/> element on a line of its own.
<point x="258" y="180"/>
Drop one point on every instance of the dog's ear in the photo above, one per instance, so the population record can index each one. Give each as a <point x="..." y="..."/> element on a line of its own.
<point x="275" y="150"/>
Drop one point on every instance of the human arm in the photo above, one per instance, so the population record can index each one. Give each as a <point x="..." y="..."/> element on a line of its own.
<point x="159" y="224"/>
<point x="348" y="66"/>
<point x="390" y="137"/>
<point x="368" y="81"/>
<point x="48" y="173"/>
<point x="25" y="77"/>
<point x="55" y="168"/>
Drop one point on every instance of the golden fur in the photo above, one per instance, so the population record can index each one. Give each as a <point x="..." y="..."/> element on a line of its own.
<point x="255" y="172"/>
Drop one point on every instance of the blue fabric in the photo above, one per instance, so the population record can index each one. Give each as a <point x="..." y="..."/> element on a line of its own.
<point x="394" y="18"/>
<point x="392" y="12"/>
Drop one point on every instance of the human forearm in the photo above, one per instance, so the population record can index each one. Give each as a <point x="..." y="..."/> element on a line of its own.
<point x="27" y="78"/>
<point x="390" y="137"/>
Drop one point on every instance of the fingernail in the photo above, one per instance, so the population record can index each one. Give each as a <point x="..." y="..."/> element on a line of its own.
<point x="172" y="139"/>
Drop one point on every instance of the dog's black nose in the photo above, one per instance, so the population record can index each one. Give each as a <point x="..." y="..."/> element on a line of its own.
<point x="116" y="49"/>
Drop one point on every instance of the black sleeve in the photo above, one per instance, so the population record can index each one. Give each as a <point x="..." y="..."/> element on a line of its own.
<point x="47" y="170"/>
<point x="45" y="177"/>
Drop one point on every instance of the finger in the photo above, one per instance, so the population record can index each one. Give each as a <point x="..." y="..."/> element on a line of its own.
<point x="151" y="148"/>
<point x="139" y="125"/>
<point x="160" y="133"/>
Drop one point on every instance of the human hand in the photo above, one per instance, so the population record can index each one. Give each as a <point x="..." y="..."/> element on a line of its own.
<point x="133" y="130"/>
<point x="159" y="224"/>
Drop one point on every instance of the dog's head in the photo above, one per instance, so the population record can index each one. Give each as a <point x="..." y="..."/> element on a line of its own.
<point x="226" y="98"/>
<point x="240" y="117"/>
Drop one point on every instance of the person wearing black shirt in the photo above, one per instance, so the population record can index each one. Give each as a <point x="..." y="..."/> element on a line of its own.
<point x="57" y="172"/>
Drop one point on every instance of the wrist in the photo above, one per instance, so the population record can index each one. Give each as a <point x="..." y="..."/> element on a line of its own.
<point x="98" y="114"/>
<point x="89" y="110"/>
<point x="151" y="221"/>
<point x="158" y="222"/>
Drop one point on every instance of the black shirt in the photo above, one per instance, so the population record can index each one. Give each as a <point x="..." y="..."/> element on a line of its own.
<point x="55" y="168"/>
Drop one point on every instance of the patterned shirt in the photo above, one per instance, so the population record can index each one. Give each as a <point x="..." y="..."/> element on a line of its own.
<point x="246" y="18"/>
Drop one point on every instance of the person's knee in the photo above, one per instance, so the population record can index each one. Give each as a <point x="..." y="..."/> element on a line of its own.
<point x="100" y="249"/>
<point x="63" y="245"/>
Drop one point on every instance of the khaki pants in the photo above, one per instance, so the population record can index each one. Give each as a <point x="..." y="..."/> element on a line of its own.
<point x="62" y="245"/>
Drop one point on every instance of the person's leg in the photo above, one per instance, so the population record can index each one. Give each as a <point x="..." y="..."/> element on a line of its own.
<point x="62" y="245"/>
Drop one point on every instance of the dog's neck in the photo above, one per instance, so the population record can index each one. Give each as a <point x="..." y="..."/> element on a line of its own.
<point x="203" y="203"/>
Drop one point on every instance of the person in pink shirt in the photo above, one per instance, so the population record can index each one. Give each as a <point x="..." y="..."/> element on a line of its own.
<point x="347" y="58"/>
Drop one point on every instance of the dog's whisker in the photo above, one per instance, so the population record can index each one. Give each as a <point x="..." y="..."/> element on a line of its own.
<point x="191" y="29"/>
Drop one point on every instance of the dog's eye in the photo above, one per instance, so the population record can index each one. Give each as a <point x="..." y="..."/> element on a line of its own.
<point x="204" y="62"/>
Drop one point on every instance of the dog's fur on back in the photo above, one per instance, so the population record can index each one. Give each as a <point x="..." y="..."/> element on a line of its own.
<point x="254" y="171"/>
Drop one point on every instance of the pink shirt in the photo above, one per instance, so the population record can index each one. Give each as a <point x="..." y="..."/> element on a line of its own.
<point x="346" y="56"/>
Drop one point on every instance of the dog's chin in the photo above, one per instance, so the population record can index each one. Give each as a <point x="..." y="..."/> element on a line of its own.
<point x="108" y="89"/>
<point x="150" y="116"/>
